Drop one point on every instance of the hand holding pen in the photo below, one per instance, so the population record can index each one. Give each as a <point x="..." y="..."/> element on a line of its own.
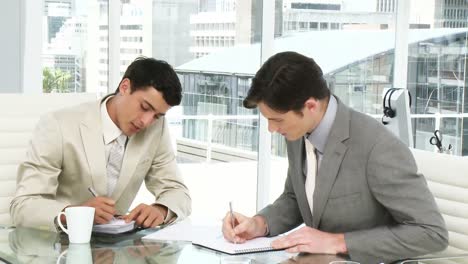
<point x="233" y="220"/>
<point x="105" y="207"/>
<point x="238" y="228"/>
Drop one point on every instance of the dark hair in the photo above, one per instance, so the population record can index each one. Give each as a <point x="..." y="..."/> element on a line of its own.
<point x="286" y="81"/>
<point x="144" y="72"/>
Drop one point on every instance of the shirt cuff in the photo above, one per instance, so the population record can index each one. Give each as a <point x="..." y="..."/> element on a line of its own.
<point x="170" y="217"/>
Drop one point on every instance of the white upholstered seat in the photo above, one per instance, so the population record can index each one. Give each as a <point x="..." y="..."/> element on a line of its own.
<point x="447" y="178"/>
<point x="19" y="114"/>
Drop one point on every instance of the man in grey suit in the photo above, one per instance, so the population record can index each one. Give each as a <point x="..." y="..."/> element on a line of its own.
<point x="352" y="182"/>
<point x="111" y="145"/>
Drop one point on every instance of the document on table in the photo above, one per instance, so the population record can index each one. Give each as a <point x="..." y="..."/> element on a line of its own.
<point x="115" y="226"/>
<point x="209" y="237"/>
<point x="180" y="231"/>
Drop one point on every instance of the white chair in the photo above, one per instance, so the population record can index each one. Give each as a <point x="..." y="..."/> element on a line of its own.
<point x="19" y="114"/>
<point x="447" y="178"/>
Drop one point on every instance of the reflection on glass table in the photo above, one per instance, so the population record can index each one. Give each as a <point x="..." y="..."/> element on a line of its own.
<point x="24" y="245"/>
<point x="452" y="259"/>
<point x="30" y="245"/>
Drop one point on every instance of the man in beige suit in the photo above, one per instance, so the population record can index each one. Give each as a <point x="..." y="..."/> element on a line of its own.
<point x="112" y="145"/>
<point x="350" y="180"/>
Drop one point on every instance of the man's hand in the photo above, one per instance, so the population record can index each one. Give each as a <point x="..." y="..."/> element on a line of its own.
<point x="105" y="209"/>
<point x="315" y="259"/>
<point x="103" y="255"/>
<point x="147" y="215"/>
<point x="311" y="240"/>
<point x="245" y="228"/>
<point x="141" y="250"/>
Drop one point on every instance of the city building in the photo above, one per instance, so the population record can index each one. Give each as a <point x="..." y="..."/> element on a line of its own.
<point x="386" y="6"/>
<point x="220" y="24"/>
<point x="171" y="30"/>
<point x="357" y="74"/>
<point x="135" y="41"/>
<point x="451" y="13"/>
<point x="64" y="52"/>
<point x="56" y="12"/>
<point x="432" y="13"/>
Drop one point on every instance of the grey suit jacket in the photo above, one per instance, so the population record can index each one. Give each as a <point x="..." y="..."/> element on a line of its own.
<point x="66" y="155"/>
<point x="367" y="188"/>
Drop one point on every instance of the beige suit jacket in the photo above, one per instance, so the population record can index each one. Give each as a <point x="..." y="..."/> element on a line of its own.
<point x="66" y="155"/>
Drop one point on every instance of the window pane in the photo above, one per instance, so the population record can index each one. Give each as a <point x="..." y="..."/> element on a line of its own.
<point x="436" y="71"/>
<point x="353" y="43"/>
<point x="74" y="57"/>
<point x="215" y="137"/>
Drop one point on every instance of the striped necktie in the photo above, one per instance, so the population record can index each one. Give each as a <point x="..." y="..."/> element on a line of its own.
<point x="114" y="164"/>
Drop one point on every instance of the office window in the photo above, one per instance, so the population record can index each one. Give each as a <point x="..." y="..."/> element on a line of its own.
<point x="74" y="46"/>
<point x="357" y="72"/>
<point x="214" y="137"/>
<point x="436" y="77"/>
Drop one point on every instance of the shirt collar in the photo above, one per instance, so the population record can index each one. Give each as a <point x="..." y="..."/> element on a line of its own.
<point x="319" y="136"/>
<point x="110" y="130"/>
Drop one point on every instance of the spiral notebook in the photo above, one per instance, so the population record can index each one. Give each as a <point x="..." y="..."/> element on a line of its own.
<point x="220" y="244"/>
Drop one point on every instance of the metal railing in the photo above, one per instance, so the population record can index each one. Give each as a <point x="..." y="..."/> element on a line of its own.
<point x="455" y="140"/>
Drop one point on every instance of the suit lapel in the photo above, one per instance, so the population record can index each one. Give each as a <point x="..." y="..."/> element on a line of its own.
<point x="133" y="152"/>
<point x="91" y="135"/>
<point x="334" y="153"/>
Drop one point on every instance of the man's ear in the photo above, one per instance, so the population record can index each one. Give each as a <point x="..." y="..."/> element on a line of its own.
<point x="311" y="105"/>
<point x="125" y="86"/>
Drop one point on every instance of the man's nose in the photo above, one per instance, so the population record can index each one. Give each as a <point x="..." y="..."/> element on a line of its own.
<point x="147" y="119"/>
<point x="272" y="128"/>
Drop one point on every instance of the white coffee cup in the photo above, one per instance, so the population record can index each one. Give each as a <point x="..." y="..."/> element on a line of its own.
<point x="79" y="254"/>
<point x="76" y="254"/>
<point x="79" y="222"/>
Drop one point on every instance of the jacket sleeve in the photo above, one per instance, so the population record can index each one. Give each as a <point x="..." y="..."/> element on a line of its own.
<point x="283" y="215"/>
<point x="164" y="179"/>
<point x="394" y="182"/>
<point x="34" y="204"/>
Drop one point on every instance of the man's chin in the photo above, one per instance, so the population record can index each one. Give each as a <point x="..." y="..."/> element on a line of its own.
<point x="291" y="138"/>
<point x="129" y="133"/>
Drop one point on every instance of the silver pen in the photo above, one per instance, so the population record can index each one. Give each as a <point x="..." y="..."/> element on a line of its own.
<point x="232" y="218"/>
<point x="92" y="191"/>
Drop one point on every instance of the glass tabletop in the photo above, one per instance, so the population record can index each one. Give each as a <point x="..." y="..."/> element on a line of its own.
<point x="447" y="259"/>
<point x="25" y="245"/>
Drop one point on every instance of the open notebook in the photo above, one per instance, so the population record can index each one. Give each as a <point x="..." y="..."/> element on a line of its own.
<point x="115" y="226"/>
<point x="220" y="244"/>
<point x="209" y="236"/>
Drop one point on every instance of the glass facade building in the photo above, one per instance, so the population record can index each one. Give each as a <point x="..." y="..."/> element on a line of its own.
<point x="436" y="82"/>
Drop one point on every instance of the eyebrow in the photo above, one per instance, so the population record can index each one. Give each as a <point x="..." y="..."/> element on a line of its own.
<point x="275" y="119"/>
<point x="154" y="109"/>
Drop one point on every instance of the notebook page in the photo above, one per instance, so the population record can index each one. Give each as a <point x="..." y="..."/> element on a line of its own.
<point x="215" y="240"/>
<point x="209" y="236"/>
<point x="115" y="226"/>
